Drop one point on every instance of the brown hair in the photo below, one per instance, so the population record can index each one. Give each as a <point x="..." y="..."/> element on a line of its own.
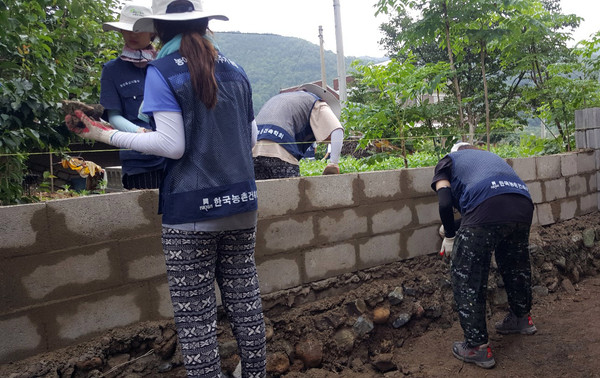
<point x="199" y="52"/>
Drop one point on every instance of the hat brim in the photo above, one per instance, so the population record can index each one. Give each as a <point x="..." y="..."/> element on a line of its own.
<point x="326" y="96"/>
<point x="146" y="24"/>
<point x="117" y="26"/>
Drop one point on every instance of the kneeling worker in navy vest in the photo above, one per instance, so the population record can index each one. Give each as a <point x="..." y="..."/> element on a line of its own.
<point x="288" y="124"/>
<point x="496" y="212"/>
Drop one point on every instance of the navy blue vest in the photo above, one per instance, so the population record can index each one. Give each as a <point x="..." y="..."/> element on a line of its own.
<point x="128" y="81"/>
<point x="478" y="175"/>
<point x="215" y="176"/>
<point x="285" y="119"/>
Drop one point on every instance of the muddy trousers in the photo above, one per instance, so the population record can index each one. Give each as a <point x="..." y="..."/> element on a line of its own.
<point x="194" y="261"/>
<point x="471" y="257"/>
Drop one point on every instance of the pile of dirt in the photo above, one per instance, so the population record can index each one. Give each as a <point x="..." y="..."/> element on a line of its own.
<point x="394" y="320"/>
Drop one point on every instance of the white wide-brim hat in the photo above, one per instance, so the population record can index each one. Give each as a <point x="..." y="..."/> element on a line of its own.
<point x="324" y="95"/>
<point x="175" y="10"/>
<point x="130" y="13"/>
<point x="458" y="145"/>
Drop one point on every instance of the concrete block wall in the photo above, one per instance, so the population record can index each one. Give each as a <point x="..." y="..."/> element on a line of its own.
<point x="74" y="268"/>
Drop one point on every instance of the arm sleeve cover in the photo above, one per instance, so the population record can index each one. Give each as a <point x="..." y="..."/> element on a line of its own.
<point x="446" y="211"/>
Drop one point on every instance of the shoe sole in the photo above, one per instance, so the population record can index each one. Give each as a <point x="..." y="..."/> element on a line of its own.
<point x="526" y="331"/>
<point x="483" y="364"/>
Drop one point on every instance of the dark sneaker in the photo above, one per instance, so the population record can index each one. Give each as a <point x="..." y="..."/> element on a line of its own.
<point x="480" y="355"/>
<point x="513" y="324"/>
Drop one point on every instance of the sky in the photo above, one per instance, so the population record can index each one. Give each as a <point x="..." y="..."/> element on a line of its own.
<point x="360" y="27"/>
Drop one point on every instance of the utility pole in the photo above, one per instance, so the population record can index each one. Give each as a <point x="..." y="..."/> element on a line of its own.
<point x="323" y="76"/>
<point x="341" y="65"/>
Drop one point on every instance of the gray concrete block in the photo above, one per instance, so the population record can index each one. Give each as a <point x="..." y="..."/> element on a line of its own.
<point x="165" y="306"/>
<point x="285" y="234"/>
<point x="90" y="219"/>
<point x="593" y="138"/>
<point x="535" y="191"/>
<point x="589" y="204"/>
<point x="568" y="209"/>
<point x="277" y="197"/>
<point x="548" y="167"/>
<point x="555" y="189"/>
<point x="66" y="270"/>
<point x="341" y="225"/>
<point x="20" y="337"/>
<point x="568" y="164"/>
<point x="423" y="241"/>
<point x="101" y="314"/>
<point x="580" y="139"/>
<point x="24" y="230"/>
<point x="428" y="213"/>
<point x="382" y="185"/>
<point x="534" y="220"/>
<point x="320" y="263"/>
<point x="379" y="250"/>
<point x="524" y="167"/>
<point x="278" y="274"/>
<point x="545" y="215"/>
<point x="331" y="191"/>
<point x="576" y="185"/>
<point x="579" y="119"/>
<point x="586" y="162"/>
<point x="144" y="259"/>
<point x="390" y="219"/>
<point x="418" y="181"/>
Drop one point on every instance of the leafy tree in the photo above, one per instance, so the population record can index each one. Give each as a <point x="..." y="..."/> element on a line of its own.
<point x="50" y="50"/>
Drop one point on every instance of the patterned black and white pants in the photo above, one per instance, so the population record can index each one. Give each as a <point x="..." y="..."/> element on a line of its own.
<point x="194" y="260"/>
<point x="471" y="257"/>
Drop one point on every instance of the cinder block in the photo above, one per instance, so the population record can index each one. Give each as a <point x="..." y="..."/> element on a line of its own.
<point x="589" y="204"/>
<point x="379" y="250"/>
<point x="285" y="234"/>
<point x="165" y="306"/>
<point x="67" y="270"/>
<point x="418" y="181"/>
<point x="580" y="119"/>
<point x="534" y="220"/>
<point x="24" y="230"/>
<point x="580" y="139"/>
<point x="383" y="185"/>
<point x="278" y="274"/>
<point x="320" y="263"/>
<point x="545" y="215"/>
<point x="428" y="213"/>
<point x="586" y="162"/>
<point x="568" y="164"/>
<point x="20" y="336"/>
<point x="577" y="185"/>
<point x="391" y="219"/>
<point x="423" y="241"/>
<point x="523" y="167"/>
<point x="90" y="219"/>
<point x="593" y="138"/>
<point x="331" y="191"/>
<point x="555" y="189"/>
<point x="547" y="167"/>
<point x="341" y="225"/>
<point x="568" y="209"/>
<point x="95" y="316"/>
<point x="535" y="191"/>
<point x="142" y="258"/>
<point x="277" y="197"/>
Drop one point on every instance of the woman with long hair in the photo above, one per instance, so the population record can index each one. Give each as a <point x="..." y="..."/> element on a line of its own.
<point x="201" y="105"/>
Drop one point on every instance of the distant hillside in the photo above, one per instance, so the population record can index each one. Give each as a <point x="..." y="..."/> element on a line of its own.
<point x="273" y="62"/>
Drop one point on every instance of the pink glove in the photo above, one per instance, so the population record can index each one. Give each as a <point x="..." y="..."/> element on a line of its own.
<point x="99" y="131"/>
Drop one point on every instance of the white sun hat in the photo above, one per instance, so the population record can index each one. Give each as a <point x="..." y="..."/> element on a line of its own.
<point x="324" y="95"/>
<point x="458" y="145"/>
<point x="175" y="10"/>
<point x="130" y="13"/>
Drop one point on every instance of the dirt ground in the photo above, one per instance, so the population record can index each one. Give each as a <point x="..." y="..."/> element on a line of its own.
<point x="351" y="326"/>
